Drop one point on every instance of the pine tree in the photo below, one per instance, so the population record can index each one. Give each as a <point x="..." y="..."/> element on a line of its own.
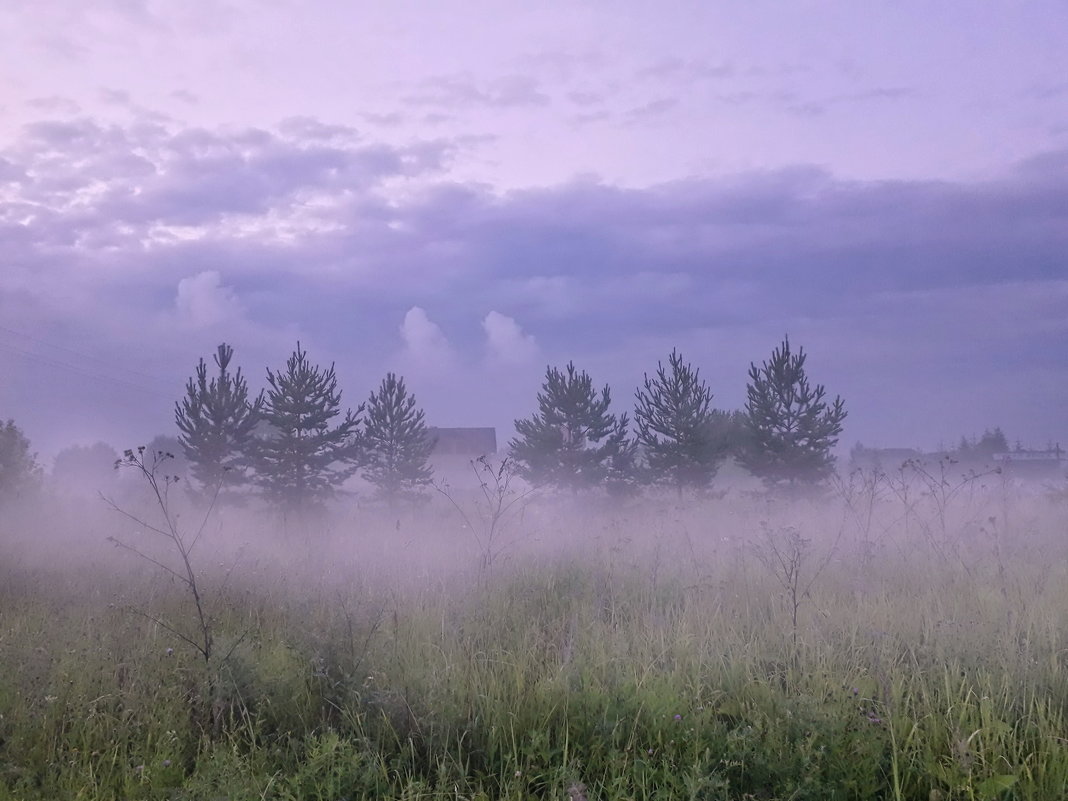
<point x="397" y="444"/>
<point x="675" y="422"/>
<point x="19" y="470"/>
<point x="215" y="423"/>
<point x="572" y="441"/>
<point x="791" y="425"/>
<point x="303" y="459"/>
<point x="730" y="432"/>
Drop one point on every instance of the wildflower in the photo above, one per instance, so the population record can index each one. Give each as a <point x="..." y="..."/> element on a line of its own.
<point x="166" y="763"/>
<point x="170" y="652"/>
<point x="678" y="717"/>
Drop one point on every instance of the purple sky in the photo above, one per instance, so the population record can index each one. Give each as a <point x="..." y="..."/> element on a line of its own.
<point x="466" y="193"/>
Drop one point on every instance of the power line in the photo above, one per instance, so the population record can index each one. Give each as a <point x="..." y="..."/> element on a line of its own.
<point x="111" y="365"/>
<point x="37" y="358"/>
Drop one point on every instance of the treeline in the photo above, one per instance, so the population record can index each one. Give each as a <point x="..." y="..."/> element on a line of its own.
<point x="296" y="444"/>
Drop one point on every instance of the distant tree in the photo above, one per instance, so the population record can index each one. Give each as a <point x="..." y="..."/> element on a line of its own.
<point x="992" y="442"/>
<point x="730" y="431"/>
<point x="172" y="461"/>
<point x="397" y="443"/>
<point x="303" y="459"/>
<point x="85" y="467"/>
<point x="793" y="428"/>
<point x="216" y="422"/>
<point x="19" y="470"/>
<point x="572" y="441"/>
<point x="675" y="426"/>
<point x="983" y="448"/>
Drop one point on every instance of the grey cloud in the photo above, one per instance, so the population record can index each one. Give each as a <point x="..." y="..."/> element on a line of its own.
<point x="562" y="65"/>
<point x="679" y="69"/>
<point x="185" y="96"/>
<point x="651" y="110"/>
<point x="311" y="128"/>
<point x="114" y="97"/>
<point x="822" y="105"/>
<point x="589" y="117"/>
<point x="54" y="104"/>
<point x="586" y="99"/>
<point x="145" y="173"/>
<point x="389" y="119"/>
<point x="64" y="47"/>
<point x="10" y="173"/>
<point x="1047" y="90"/>
<point x="926" y="274"/>
<point x="450" y="91"/>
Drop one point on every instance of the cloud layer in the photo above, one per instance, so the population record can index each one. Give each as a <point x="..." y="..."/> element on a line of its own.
<point x="936" y="308"/>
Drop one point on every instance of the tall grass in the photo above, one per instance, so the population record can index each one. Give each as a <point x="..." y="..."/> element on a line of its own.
<point x="642" y="652"/>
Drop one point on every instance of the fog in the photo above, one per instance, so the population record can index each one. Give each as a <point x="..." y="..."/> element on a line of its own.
<point x="90" y="518"/>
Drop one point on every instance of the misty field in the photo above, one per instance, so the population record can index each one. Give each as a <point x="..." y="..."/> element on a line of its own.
<point x="887" y="641"/>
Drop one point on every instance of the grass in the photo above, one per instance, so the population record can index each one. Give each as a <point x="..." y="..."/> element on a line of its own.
<point x="637" y="652"/>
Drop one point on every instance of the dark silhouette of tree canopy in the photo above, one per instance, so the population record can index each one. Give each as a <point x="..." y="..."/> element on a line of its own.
<point x="85" y="467"/>
<point x="675" y="421"/>
<point x="990" y="443"/>
<point x="791" y="425"/>
<point x="730" y="431"/>
<point x="396" y="441"/>
<point x="572" y="440"/>
<point x="19" y="470"/>
<point x="303" y="459"/>
<point x="216" y="422"/>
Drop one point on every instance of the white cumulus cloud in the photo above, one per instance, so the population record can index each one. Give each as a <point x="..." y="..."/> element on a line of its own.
<point x="425" y="344"/>
<point x="506" y="341"/>
<point x="204" y="301"/>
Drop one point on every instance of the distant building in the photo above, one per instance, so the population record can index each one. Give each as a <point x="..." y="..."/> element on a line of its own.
<point x="1049" y="463"/>
<point x="884" y="459"/>
<point x="466" y="442"/>
<point x="454" y="451"/>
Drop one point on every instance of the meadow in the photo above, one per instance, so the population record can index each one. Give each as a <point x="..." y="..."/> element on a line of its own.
<point x="885" y="641"/>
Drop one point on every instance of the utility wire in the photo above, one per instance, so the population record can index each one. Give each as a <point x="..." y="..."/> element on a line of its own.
<point x="82" y="355"/>
<point x="37" y="358"/>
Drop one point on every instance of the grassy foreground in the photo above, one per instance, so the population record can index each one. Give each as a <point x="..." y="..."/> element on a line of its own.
<point x="640" y="653"/>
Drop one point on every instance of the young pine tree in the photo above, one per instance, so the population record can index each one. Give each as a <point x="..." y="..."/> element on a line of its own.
<point x="304" y="457"/>
<point x="19" y="471"/>
<point x="792" y="427"/>
<point x="215" y="425"/>
<point x="676" y="427"/>
<point x="396" y="441"/>
<point x="572" y="441"/>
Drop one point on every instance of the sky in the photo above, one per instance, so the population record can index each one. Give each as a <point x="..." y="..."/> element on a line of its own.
<point x="468" y="192"/>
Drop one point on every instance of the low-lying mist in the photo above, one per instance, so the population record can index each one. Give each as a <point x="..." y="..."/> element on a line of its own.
<point x="894" y="635"/>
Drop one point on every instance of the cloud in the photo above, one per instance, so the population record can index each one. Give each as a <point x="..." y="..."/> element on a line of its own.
<point x="202" y="301"/>
<point x="820" y="106"/>
<point x="651" y="110"/>
<point x="678" y="70"/>
<point x="54" y="104"/>
<point x="462" y="91"/>
<point x="185" y="96"/>
<point x="300" y="233"/>
<point x="425" y="345"/>
<point x="505" y="341"/>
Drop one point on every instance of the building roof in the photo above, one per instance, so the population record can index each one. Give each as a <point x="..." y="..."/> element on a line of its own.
<point x="464" y="441"/>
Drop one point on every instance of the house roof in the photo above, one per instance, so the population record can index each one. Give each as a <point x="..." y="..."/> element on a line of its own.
<point x="464" y="441"/>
